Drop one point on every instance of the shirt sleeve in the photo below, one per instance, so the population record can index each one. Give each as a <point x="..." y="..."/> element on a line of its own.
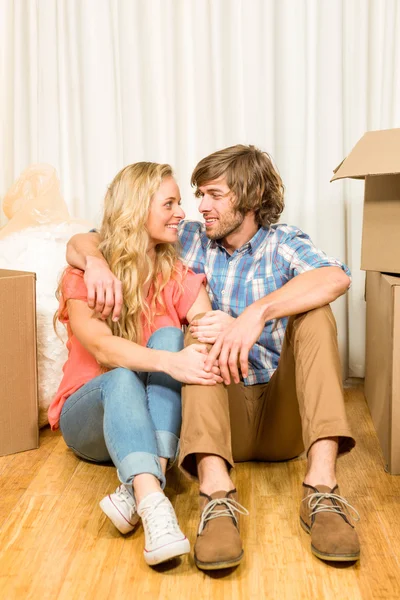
<point x="297" y="254"/>
<point x="191" y="236"/>
<point x="186" y="293"/>
<point x="73" y="287"/>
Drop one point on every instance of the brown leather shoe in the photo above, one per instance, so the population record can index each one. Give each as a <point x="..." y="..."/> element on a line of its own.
<point x="325" y="515"/>
<point x="218" y="544"/>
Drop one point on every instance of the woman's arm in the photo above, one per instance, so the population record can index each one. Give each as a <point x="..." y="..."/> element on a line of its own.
<point x="202" y="304"/>
<point x="112" y="351"/>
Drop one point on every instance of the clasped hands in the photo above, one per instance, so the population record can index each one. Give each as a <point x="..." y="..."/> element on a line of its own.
<point x="232" y="339"/>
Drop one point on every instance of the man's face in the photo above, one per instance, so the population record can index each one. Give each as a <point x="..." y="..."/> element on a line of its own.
<point x="216" y="206"/>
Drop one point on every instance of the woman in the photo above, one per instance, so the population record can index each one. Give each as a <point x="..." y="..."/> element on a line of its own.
<point x="120" y="395"/>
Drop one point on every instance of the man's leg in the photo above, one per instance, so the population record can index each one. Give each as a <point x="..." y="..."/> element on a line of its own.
<point x="305" y="398"/>
<point x="206" y="453"/>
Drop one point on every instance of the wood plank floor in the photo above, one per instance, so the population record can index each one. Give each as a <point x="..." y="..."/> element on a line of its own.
<point x="55" y="543"/>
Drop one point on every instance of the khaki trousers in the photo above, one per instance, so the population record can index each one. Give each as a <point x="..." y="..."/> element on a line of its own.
<point x="302" y="403"/>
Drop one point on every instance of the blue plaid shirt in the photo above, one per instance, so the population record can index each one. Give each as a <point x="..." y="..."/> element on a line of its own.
<point x="264" y="264"/>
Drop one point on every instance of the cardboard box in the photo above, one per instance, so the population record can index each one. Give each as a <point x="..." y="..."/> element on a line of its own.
<point x="376" y="158"/>
<point x="18" y="364"/>
<point x="382" y="369"/>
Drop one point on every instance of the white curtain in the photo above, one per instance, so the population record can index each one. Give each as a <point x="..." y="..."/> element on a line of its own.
<point x="91" y="85"/>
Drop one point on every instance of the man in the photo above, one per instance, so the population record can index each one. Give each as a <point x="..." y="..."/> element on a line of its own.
<point x="282" y="376"/>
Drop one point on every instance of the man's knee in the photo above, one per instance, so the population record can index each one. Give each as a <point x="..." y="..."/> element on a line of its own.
<point x="317" y="321"/>
<point x="189" y="339"/>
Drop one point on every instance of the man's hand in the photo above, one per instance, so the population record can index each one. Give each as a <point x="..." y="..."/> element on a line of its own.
<point x="234" y="343"/>
<point x="211" y="324"/>
<point x="104" y="289"/>
<point x="187" y="366"/>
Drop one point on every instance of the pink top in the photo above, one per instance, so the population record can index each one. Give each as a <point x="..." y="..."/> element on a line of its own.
<point x="81" y="366"/>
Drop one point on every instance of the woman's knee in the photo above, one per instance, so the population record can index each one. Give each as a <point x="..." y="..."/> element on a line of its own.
<point x="121" y="383"/>
<point x="167" y="338"/>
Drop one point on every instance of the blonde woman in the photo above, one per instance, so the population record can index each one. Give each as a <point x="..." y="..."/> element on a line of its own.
<point x="120" y="397"/>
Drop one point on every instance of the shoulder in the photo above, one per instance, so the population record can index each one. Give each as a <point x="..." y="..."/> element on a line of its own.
<point x="283" y="232"/>
<point x="72" y="274"/>
<point x="184" y="274"/>
<point x="72" y="282"/>
<point x="190" y="229"/>
<point x="287" y="236"/>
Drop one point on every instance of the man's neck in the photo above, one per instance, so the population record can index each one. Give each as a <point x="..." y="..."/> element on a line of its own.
<point x="240" y="236"/>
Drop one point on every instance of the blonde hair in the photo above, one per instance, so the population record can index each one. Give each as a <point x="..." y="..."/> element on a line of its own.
<point x="124" y="244"/>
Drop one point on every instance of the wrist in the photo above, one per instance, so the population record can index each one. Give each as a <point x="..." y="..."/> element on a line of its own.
<point x="266" y="311"/>
<point x="95" y="260"/>
<point x="162" y="361"/>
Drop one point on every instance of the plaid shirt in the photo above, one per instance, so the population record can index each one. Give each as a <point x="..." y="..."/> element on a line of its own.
<point x="264" y="264"/>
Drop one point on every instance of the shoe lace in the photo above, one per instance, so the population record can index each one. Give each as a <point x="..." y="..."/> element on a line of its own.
<point x="339" y="505"/>
<point x="159" y="520"/>
<point x="127" y="498"/>
<point x="210" y="512"/>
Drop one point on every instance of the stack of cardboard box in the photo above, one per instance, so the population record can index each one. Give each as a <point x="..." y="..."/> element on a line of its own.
<point x="376" y="158"/>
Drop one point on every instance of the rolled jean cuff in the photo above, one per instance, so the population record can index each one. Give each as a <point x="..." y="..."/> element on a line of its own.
<point x="167" y="444"/>
<point x="137" y="463"/>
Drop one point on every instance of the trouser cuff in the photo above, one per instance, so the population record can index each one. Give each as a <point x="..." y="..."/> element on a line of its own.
<point x="346" y="440"/>
<point x="188" y="463"/>
<point x="167" y="444"/>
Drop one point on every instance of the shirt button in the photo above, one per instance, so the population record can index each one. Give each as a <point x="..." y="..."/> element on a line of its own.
<point x="222" y="292"/>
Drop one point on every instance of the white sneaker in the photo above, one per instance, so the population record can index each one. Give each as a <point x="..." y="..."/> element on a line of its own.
<point x="164" y="539"/>
<point x="120" y="508"/>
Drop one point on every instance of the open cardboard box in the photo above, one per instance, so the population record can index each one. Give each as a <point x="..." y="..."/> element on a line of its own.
<point x="18" y="365"/>
<point x="376" y="158"/>
<point x="382" y="368"/>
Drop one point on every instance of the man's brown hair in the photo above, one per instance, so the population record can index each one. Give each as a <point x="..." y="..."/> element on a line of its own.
<point x="251" y="176"/>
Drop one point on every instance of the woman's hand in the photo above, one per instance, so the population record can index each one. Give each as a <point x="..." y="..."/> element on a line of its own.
<point x="208" y="328"/>
<point x="187" y="366"/>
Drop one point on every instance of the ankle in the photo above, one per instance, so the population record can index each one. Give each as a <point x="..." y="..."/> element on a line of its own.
<point x="210" y="487"/>
<point x="143" y="485"/>
<point x="316" y="479"/>
<point x="213" y="474"/>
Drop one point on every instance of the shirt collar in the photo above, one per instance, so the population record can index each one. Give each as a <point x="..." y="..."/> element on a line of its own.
<point x="252" y="245"/>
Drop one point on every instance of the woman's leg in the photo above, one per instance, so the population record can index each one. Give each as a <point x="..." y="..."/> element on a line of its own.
<point x="108" y="419"/>
<point x="164" y="396"/>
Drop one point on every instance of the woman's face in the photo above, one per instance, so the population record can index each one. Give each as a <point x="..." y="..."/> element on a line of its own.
<point x="165" y="213"/>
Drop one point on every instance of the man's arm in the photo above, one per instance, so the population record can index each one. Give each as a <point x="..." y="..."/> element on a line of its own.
<point x="303" y="293"/>
<point x="104" y="289"/>
<point x="82" y="246"/>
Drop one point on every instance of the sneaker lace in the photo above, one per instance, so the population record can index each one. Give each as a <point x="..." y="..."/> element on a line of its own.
<point x="339" y="505"/>
<point x="127" y="498"/>
<point x="210" y="512"/>
<point x="160" y="519"/>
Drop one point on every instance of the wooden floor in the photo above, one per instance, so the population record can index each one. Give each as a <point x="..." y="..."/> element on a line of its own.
<point x="55" y="543"/>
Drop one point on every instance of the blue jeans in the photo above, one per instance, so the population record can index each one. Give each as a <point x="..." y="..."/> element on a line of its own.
<point x="131" y="418"/>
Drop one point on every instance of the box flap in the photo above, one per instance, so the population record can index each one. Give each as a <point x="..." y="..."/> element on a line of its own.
<point x="391" y="279"/>
<point x="376" y="153"/>
<point x="5" y="273"/>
